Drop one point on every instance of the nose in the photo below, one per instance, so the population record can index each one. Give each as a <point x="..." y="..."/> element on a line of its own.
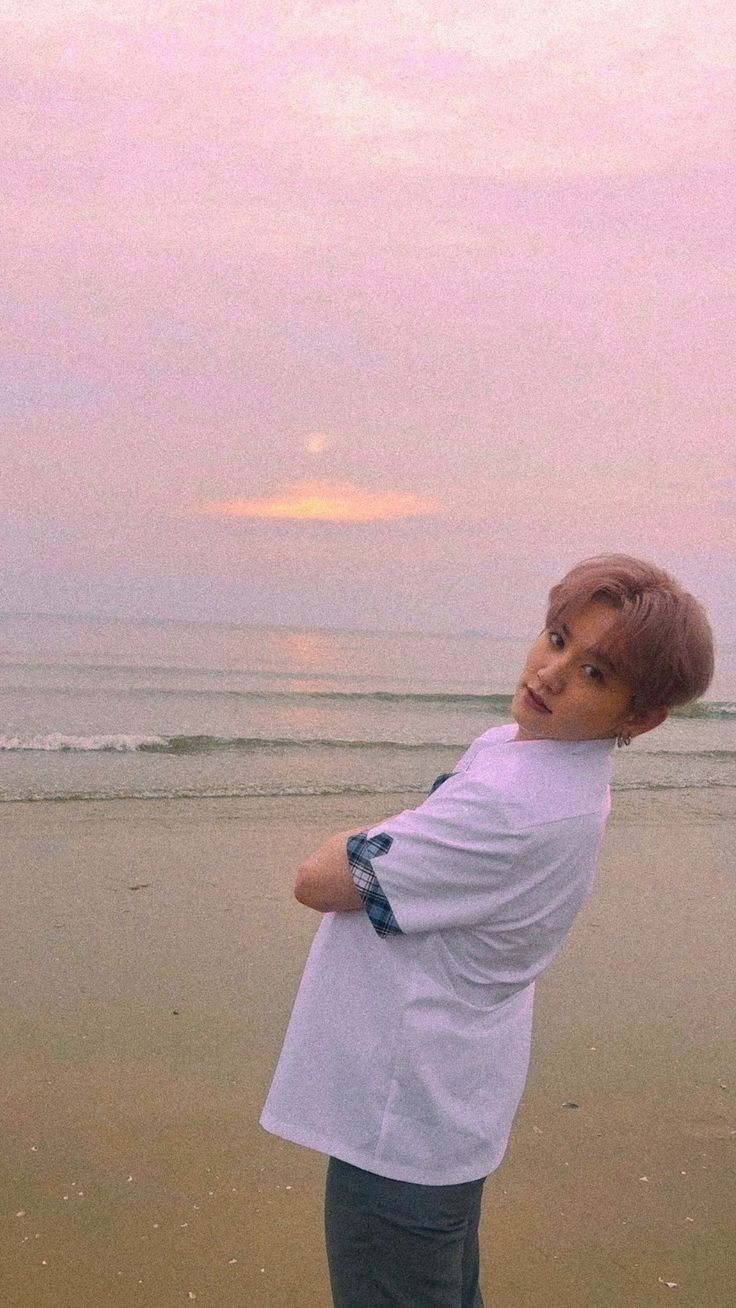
<point x="552" y="672"/>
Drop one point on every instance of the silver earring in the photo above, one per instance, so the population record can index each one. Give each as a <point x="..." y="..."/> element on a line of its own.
<point x="621" y="741"/>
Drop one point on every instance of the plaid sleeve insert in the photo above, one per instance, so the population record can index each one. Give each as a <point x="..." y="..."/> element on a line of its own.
<point x="361" y="850"/>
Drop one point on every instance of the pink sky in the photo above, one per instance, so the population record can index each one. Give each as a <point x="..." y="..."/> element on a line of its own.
<point x="459" y="275"/>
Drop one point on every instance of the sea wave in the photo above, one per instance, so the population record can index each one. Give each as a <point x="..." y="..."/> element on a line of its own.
<point x="130" y="743"/>
<point x="101" y="794"/>
<point x="221" y="792"/>
<point x="452" y="699"/>
<point x="56" y="742"/>
<point x="493" y="703"/>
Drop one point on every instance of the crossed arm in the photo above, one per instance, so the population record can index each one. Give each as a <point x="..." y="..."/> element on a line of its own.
<point x="324" y="882"/>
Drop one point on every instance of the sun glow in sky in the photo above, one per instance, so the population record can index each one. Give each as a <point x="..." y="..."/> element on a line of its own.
<point x="456" y="276"/>
<point x="316" y="443"/>
<point x="327" y="502"/>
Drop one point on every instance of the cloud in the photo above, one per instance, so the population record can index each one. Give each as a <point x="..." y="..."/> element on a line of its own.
<point x="357" y="107"/>
<point x="62" y="13"/>
<point x="321" y="501"/>
<point x="603" y="88"/>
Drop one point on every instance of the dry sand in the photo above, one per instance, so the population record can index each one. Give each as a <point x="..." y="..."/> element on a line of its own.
<point x="149" y="954"/>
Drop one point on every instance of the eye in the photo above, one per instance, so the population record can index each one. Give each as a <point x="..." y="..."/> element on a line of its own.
<point x="592" y="672"/>
<point x="556" y="639"/>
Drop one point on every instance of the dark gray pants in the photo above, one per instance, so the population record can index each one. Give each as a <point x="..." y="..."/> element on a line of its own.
<point x="393" y="1244"/>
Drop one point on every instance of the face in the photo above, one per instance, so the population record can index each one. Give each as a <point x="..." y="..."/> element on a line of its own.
<point x="567" y="690"/>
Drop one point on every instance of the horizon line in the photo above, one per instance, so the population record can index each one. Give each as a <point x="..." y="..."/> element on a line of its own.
<point x="468" y="633"/>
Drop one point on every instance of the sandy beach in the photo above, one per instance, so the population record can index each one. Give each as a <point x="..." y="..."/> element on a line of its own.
<point x="149" y="955"/>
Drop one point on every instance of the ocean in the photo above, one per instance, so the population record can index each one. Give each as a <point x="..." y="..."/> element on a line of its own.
<point x="102" y="709"/>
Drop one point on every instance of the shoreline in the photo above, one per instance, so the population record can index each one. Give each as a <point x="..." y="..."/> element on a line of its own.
<point x="149" y="954"/>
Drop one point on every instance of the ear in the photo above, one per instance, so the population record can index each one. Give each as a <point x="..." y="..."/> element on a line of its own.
<point x="639" y="723"/>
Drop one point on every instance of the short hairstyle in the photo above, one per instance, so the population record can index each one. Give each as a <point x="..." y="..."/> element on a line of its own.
<point x="662" y="643"/>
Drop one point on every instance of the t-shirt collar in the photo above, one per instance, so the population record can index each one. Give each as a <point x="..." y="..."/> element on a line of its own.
<point x="507" y="734"/>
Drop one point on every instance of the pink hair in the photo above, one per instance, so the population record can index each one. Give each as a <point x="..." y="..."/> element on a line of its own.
<point x="662" y="643"/>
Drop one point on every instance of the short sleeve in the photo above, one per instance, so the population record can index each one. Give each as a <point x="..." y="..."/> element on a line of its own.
<point x="447" y="863"/>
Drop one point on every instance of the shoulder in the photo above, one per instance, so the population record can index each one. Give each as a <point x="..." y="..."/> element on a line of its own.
<point x="542" y="782"/>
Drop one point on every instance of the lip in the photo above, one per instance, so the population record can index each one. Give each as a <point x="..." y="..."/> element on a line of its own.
<point x="536" y="702"/>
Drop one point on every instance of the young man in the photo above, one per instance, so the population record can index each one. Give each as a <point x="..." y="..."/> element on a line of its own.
<point x="408" y="1047"/>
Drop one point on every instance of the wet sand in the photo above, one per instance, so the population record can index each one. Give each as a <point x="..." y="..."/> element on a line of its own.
<point x="149" y="954"/>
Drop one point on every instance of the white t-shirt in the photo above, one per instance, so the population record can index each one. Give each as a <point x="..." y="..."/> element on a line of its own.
<point x="408" y="1045"/>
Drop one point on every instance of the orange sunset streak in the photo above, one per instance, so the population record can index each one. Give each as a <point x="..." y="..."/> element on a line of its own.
<point x="327" y="502"/>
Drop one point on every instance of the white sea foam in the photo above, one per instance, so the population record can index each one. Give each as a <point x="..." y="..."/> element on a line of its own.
<point x="55" y="741"/>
